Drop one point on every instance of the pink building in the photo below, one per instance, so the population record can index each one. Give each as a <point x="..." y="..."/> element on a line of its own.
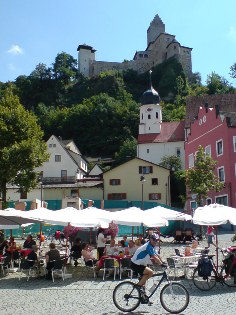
<point x="214" y="128"/>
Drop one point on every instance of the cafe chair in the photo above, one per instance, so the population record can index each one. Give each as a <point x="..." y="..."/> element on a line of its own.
<point x="110" y="264"/>
<point x="125" y="264"/>
<point x="58" y="269"/>
<point x="28" y="267"/>
<point x="174" y="266"/>
<point x="89" y="268"/>
<point x="5" y="261"/>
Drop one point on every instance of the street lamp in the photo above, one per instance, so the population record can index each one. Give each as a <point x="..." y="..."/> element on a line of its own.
<point x="41" y="188"/>
<point x="142" y="180"/>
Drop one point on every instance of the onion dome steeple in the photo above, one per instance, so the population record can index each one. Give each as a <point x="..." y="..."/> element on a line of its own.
<point x="150" y="96"/>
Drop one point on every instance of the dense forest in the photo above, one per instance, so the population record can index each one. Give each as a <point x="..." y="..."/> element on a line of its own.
<point x="101" y="114"/>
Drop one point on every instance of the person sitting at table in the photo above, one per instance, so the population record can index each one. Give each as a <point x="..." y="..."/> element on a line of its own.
<point x="142" y="240"/>
<point x="29" y="242"/>
<point x="52" y="254"/>
<point x="125" y="241"/>
<point x="111" y="250"/>
<point x="89" y="258"/>
<point x="131" y="249"/>
<point x="4" y="248"/>
<point x="76" y="251"/>
<point x="12" y="249"/>
<point x="32" y="256"/>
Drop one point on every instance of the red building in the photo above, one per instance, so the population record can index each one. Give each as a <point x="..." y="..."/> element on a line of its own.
<point x="214" y="128"/>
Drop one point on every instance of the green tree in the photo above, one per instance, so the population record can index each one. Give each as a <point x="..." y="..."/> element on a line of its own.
<point x="21" y="146"/>
<point x="128" y="150"/>
<point x="218" y="85"/>
<point x="177" y="182"/>
<point x="172" y="162"/>
<point x="65" y="68"/>
<point x="201" y="178"/>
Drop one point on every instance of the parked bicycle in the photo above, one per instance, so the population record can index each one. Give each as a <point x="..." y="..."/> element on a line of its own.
<point x="225" y="274"/>
<point x="174" y="297"/>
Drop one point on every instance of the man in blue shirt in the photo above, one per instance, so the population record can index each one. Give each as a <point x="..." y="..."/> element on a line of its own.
<point x="143" y="256"/>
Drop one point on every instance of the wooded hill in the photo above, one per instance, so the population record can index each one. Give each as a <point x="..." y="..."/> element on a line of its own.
<point x="101" y="114"/>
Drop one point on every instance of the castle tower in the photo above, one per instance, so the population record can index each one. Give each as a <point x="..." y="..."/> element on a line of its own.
<point x="86" y="55"/>
<point x="155" y="29"/>
<point x="150" y="112"/>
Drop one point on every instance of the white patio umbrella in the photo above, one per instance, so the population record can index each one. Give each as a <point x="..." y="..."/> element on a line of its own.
<point x="79" y="218"/>
<point x="135" y="217"/>
<point x="101" y="214"/>
<point x="167" y="214"/>
<point x="13" y="217"/>
<point x="214" y="214"/>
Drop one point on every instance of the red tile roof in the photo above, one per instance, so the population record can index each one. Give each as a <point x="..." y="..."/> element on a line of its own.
<point x="170" y="132"/>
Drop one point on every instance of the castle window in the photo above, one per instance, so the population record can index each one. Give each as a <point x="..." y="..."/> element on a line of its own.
<point x="140" y="55"/>
<point x="157" y="115"/>
<point x="174" y="47"/>
<point x="145" y="56"/>
<point x="147" y="150"/>
<point x="149" y="116"/>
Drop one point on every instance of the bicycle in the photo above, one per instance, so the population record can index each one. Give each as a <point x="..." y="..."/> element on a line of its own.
<point x="223" y="275"/>
<point x="174" y="297"/>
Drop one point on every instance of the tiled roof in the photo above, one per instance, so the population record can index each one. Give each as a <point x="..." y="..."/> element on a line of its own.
<point x="226" y="103"/>
<point x="170" y="132"/>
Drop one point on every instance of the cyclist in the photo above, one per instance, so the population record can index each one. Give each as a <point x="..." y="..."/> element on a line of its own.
<point x="143" y="256"/>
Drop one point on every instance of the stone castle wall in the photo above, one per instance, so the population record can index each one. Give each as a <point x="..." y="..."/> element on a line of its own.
<point x="161" y="46"/>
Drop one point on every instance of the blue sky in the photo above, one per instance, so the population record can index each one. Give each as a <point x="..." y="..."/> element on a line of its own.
<point x="35" y="31"/>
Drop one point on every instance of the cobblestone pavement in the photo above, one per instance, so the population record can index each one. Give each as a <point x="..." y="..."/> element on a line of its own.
<point x="85" y="295"/>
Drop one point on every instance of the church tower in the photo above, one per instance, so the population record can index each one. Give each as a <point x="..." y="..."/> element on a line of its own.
<point x="150" y="112"/>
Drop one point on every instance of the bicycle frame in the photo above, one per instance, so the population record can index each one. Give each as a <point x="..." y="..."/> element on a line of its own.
<point x="163" y="278"/>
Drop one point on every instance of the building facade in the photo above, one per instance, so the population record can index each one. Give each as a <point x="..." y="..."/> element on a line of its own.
<point x="139" y="180"/>
<point x="160" y="47"/>
<point x="214" y="128"/>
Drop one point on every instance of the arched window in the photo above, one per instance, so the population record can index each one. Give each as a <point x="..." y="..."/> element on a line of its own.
<point x="149" y="116"/>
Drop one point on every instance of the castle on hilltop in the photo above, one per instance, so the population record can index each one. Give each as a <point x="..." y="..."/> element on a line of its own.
<point x="160" y="47"/>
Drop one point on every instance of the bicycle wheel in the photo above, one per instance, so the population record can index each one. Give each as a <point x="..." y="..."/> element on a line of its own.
<point x="126" y="296"/>
<point x="229" y="280"/>
<point x="204" y="283"/>
<point x="174" y="298"/>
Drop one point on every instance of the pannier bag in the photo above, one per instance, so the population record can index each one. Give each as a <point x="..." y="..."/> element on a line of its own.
<point x="230" y="261"/>
<point x="205" y="267"/>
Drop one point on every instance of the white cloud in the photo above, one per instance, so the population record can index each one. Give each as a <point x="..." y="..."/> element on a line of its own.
<point x="15" y="50"/>
<point x="232" y="33"/>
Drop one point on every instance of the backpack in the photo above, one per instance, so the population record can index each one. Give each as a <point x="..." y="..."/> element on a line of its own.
<point x="204" y="267"/>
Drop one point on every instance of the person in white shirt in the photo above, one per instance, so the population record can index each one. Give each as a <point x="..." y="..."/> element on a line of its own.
<point x="112" y="250"/>
<point x="101" y="242"/>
